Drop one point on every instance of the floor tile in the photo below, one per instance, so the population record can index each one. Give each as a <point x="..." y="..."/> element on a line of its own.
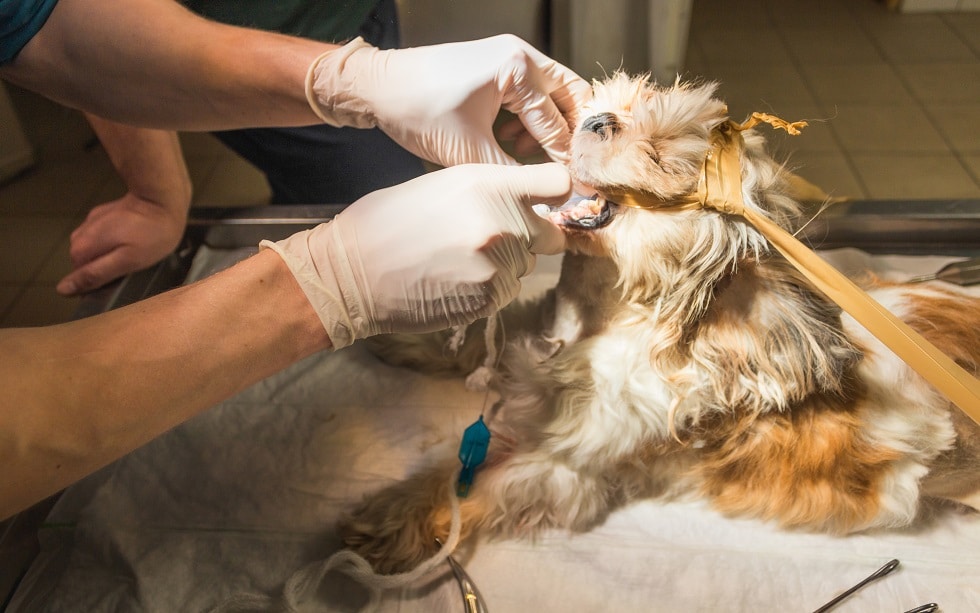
<point x="61" y="187"/>
<point x="972" y="163"/>
<point x="70" y="134"/>
<point x="110" y="188"/>
<point x="56" y="266"/>
<point x="39" y="306"/>
<point x="887" y="129"/>
<point x="233" y="182"/>
<point x="967" y="26"/>
<point x="817" y="137"/>
<point x="777" y="89"/>
<point x="201" y="169"/>
<point x="714" y="15"/>
<point x="754" y="46"/>
<point x="829" y="172"/>
<point x="26" y="244"/>
<point x="943" y="82"/>
<point x="924" y="38"/>
<point x="8" y="294"/>
<point x="806" y="13"/>
<point x="876" y="83"/>
<point x="959" y="123"/>
<point x="914" y="176"/>
<point x="196" y="144"/>
<point x="38" y="116"/>
<point x="837" y="45"/>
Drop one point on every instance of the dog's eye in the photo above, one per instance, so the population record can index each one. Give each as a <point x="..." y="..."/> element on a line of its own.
<point x="603" y="124"/>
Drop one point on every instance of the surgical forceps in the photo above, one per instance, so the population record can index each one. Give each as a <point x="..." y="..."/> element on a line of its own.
<point x="878" y="574"/>
<point x="960" y="273"/>
<point x="472" y="601"/>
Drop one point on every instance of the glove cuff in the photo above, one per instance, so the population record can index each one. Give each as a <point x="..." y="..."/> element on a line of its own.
<point x="319" y="286"/>
<point x="330" y="91"/>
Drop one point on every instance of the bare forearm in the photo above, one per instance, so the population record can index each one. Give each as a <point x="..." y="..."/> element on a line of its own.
<point x="153" y="63"/>
<point x="149" y="161"/>
<point x="82" y="394"/>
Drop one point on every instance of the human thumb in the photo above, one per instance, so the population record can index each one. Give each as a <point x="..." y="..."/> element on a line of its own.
<point x="541" y="184"/>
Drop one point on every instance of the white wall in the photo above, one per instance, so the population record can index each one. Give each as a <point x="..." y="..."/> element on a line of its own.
<point x="593" y="37"/>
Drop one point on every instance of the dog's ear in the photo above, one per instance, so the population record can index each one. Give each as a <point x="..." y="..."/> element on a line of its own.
<point x="703" y="97"/>
<point x="677" y="122"/>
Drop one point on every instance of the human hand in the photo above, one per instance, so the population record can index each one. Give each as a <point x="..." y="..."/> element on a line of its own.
<point x="521" y="142"/>
<point x="118" y="238"/>
<point x="441" y="250"/>
<point x="440" y="102"/>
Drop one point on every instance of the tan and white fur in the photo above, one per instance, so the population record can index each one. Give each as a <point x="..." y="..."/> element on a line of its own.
<point x="680" y="356"/>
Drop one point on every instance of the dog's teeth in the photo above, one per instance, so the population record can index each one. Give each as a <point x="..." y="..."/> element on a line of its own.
<point x="542" y="210"/>
<point x="581" y="212"/>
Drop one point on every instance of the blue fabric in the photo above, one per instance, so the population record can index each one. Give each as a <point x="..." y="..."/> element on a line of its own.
<point x="20" y="20"/>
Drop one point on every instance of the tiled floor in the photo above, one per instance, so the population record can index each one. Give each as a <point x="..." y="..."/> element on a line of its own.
<point x="893" y="100"/>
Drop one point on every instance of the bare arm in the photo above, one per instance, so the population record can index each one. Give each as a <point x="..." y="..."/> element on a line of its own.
<point x="149" y="161"/>
<point x="76" y="396"/>
<point x="154" y="63"/>
<point x="79" y="395"/>
<point x="146" y="223"/>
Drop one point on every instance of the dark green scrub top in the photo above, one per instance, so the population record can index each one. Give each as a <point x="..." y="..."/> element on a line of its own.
<point x="325" y="20"/>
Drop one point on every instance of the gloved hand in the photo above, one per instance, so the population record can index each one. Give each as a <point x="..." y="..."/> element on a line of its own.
<point x="441" y="250"/>
<point x="440" y="102"/>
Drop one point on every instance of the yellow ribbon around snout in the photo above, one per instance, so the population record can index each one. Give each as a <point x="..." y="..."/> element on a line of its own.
<point x="720" y="188"/>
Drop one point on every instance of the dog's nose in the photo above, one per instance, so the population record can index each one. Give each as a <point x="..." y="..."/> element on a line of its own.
<point x="602" y="124"/>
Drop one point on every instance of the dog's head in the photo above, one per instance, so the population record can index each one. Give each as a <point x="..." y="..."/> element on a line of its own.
<point x="705" y="277"/>
<point x="636" y="136"/>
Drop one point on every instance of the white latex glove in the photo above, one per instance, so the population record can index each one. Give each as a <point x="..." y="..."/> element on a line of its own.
<point x="440" y="102"/>
<point x="441" y="250"/>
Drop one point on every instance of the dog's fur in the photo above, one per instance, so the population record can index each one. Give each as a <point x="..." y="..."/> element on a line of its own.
<point x="679" y="355"/>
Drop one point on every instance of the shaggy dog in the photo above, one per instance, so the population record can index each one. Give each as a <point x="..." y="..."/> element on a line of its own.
<point x="680" y="355"/>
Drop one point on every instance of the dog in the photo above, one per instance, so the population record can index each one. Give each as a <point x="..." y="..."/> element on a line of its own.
<point x="679" y="355"/>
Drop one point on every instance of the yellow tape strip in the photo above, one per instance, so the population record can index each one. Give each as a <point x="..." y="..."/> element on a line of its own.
<point x="720" y="188"/>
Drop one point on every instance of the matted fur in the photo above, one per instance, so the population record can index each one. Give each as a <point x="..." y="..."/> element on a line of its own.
<point x="679" y="356"/>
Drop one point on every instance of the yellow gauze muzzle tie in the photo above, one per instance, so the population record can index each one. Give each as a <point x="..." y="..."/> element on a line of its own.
<point x="720" y="188"/>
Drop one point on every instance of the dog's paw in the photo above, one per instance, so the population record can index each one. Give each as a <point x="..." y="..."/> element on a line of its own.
<point x="390" y="537"/>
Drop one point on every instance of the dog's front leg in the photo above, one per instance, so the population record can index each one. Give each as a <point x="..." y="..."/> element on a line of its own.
<point x="514" y="494"/>
<point x="396" y="529"/>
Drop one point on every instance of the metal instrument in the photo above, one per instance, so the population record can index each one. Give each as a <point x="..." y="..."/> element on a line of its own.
<point x="878" y="574"/>
<point x="472" y="601"/>
<point x="966" y="272"/>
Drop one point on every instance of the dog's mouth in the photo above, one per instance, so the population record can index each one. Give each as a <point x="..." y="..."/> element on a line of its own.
<point x="582" y="213"/>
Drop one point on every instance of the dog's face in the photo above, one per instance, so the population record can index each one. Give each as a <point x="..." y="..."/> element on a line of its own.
<point x="636" y="136"/>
